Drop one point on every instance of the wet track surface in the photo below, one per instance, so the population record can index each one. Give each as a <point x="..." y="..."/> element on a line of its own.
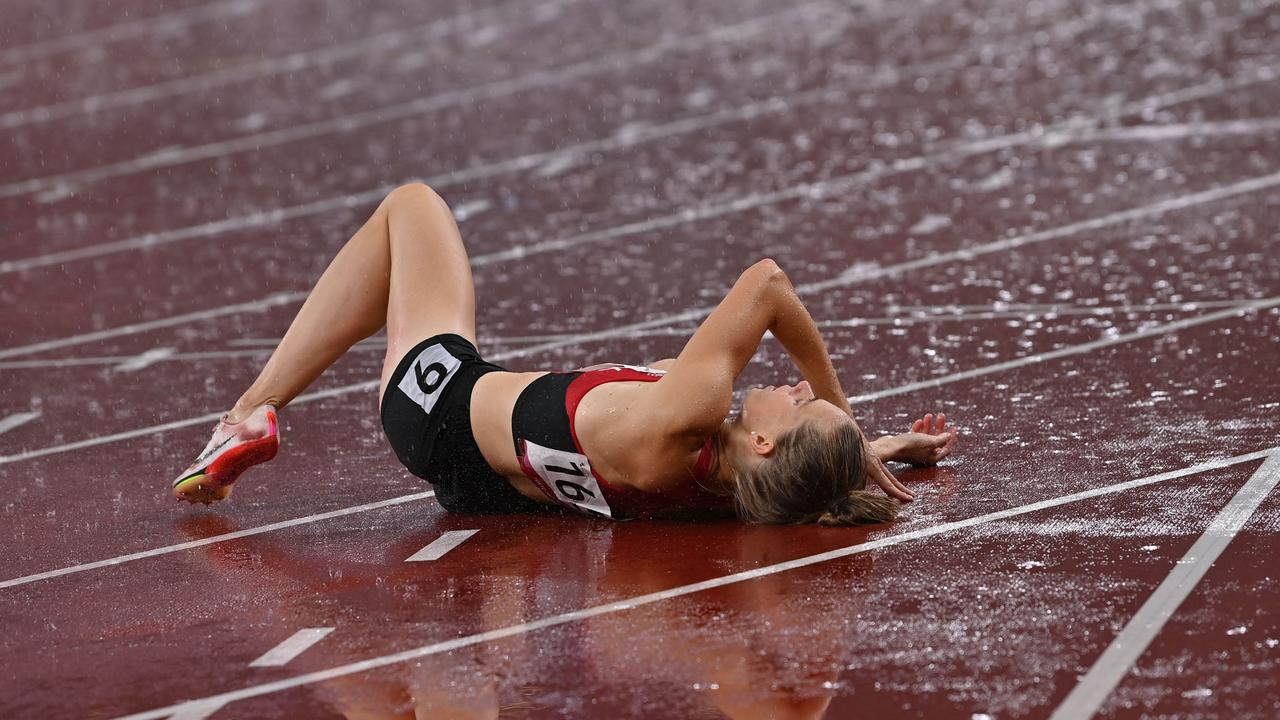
<point x="1055" y="221"/>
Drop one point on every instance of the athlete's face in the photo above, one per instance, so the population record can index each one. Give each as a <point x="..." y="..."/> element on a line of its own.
<point x="774" y="410"/>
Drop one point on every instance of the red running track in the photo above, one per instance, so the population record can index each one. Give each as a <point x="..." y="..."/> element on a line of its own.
<point x="1056" y="222"/>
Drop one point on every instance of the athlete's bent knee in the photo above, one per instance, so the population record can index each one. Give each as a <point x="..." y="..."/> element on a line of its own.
<point x="413" y="193"/>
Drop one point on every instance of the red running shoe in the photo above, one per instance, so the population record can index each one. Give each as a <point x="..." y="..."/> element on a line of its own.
<point x="232" y="449"/>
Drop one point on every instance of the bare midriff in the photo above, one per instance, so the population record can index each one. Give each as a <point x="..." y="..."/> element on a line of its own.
<point x="606" y="429"/>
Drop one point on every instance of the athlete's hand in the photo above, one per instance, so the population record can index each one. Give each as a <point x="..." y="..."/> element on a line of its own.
<point x="929" y="441"/>
<point x="879" y="474"/>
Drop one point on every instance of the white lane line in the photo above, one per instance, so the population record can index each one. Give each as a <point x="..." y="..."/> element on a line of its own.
<point x="119" y="359"/>
<point x="291" y="648"/>
<point x="1181" y="202"/>
<point x="441" y="545"/>
<point x="67" y="182"/>
<point x="196" y="710"/>
<point x="224" y="537"/>
<point x="419" y="36"/>
<point x="146" y="359"/>
<point x="370" y="385"/>
<point x="858" y="275"/>
<point x="1081" y="349"/>
<point x="1055" y="308"/>
<point x="903" y="314"/>
<point x="1154" y="133"/>
<point x="650" y="598"/>
<point x="259" y="347"/>
<point x="621" y="140"/>
<point x="1113" y="665"/>
<point x="17" y="420"/>
<point x="269" y="301"/>
<point x="164" y="22"/>
<point x="1215" y="86"/>
<point x="751" y="202"/>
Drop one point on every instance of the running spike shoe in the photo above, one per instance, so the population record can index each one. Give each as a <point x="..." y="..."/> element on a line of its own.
<point x="233" y="448"/>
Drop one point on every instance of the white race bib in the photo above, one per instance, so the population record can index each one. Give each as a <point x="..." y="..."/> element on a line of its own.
<point x="429" y="375"/>
<point x="568" y="475"/>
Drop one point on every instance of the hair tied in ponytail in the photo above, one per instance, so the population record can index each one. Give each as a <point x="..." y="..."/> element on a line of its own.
<point x="860" y="507"/>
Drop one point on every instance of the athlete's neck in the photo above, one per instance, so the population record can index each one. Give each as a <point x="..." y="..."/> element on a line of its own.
<point x="731" y="444"/>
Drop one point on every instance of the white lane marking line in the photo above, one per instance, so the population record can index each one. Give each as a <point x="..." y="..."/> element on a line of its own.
<point x="118" y="359"/>
<point x="1057" y="308"/>
<point x="255" y="305"/>
<point x="1162" y="329"/>
<point x="258" y="347"/>
<point x="630" y="603"/>
<point x="1215" y="86"/>
<point x="468" y="209"/>
<point x="266" y="67"/>
<point x="1152" y="133"/>
<point x="848" y="278"/>
<point x="372" y="384"/>
<point x="906" y="314"/>
<point x="441" y="545"/>
<point x="224" y="537"/>
<point x="165" y="22"/>
<point x="383" y="115"/>
<point x="196" y="710"/>
<point x="775" y="104"/>
<point x="1113" y="665"/>
<point x="146" y="359"/>
<point x="17" y="420"/>
<point x="291" y="648"/>
<point x="1181" y="202"/>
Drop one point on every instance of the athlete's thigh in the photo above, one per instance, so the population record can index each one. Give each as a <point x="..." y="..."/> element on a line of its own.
<point x="431" y="290"/>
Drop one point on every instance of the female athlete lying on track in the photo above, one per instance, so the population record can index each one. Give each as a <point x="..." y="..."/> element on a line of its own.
<point x="618" y="441"/>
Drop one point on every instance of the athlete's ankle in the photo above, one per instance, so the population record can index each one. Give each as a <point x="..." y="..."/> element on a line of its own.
<point x="242" y="410"/>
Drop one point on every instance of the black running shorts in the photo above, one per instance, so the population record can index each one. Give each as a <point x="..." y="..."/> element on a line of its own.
<point x="426" y="414"/>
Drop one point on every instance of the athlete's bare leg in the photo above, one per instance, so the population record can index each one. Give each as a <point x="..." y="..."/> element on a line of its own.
<point x="406" y="268"/>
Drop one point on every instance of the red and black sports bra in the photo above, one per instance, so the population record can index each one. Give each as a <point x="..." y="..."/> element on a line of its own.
<point x="542" y="424"/>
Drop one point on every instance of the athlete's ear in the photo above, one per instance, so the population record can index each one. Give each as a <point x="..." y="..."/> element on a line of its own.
<point x="761" y="444"/>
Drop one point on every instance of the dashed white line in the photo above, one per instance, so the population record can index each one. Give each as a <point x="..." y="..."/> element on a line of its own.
<point x="292" y="647"/>
<point x="196" y="710"/>
<point x="683" y="590"/>
<point x="146" y="359"/>
<point x="17" y="420"/>
<point x="441" y="545"/>
<point x="1113" y="665"/>
<point x="224" y="537"/>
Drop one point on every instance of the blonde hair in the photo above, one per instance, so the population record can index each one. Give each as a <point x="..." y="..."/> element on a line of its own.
<point x="814" y="475"/>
